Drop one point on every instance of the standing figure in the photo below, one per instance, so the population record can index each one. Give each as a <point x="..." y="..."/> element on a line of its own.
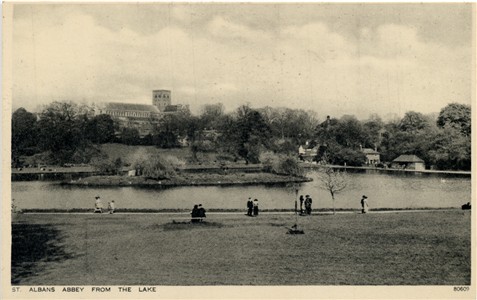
<point x="308" y="202"/>
<point x="98" y="206"/>
<point x="364" y="204"/>
<point x="249" y="207"/>
<point x="255" y="207"/>
<point x="201" y="213"/>
<point x="301" y="204"/>
<point x="111" y="207"/>
<point x="194" y="214"/>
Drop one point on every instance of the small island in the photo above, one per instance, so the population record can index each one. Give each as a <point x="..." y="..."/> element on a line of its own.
<point x="191" y="179"/>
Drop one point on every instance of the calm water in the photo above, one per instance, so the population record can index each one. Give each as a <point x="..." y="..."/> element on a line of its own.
<point x="384" y="190"/>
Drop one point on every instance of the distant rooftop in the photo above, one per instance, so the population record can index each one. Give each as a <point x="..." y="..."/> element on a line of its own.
<point x="131" y="107"/>
<point x="369" y="151"/>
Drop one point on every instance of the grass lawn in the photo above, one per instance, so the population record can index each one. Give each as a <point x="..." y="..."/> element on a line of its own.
<point x="405" y="248"/>
<point x="129" y="154"/>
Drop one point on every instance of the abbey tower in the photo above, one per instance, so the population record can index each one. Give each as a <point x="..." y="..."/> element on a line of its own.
<point x="161" y="99"/>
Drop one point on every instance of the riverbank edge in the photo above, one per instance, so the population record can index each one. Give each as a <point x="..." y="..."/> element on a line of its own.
<point x="390" y="170"/>
<point x="213" y="168"/>
<point x="203" y="179"/>
<point x="232" y="210"/>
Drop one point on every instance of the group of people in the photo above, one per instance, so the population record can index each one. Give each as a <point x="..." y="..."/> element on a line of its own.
<point x="252" y="207"/>
<point x="197" y="213"/>
<point x="307" y="201"/>
<point x="98" y="206"/>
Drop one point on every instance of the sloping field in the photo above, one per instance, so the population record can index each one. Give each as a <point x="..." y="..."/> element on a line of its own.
<point x="405" y="248"/>
<point x="129" y="154"/>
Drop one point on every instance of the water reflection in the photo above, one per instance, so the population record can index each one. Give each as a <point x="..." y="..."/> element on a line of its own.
<point x="384" y="190"/>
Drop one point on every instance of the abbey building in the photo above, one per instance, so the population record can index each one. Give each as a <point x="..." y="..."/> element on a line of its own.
<point x="143" y="117"/>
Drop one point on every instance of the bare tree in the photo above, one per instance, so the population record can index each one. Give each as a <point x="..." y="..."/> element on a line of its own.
<point x="333" y="181"/>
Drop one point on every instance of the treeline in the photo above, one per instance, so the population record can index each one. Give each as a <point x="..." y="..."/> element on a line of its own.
<point x="66" y="132"/>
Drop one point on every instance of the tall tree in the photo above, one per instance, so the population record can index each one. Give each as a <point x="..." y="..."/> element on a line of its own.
<point x="62" y="128"/>
<point x="24" y="134"/>
<point x="373" y="130"/>
<point x="450" y="150"/>
<point x="457" y="116"/>
<point x="100" y="129"/>
<point x="349" y="132"/>
<point x="245" y="134"/>
<point x="130" y="136"/>
<point x="170" y="128"/>
<point x="211" y="115"/>
<point x="413" y="122"/>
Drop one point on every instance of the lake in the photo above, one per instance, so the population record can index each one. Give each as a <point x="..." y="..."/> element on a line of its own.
<point x="384" y="190"/>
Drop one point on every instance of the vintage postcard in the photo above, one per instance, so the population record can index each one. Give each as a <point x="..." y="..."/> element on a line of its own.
<point x="238" y="150"/>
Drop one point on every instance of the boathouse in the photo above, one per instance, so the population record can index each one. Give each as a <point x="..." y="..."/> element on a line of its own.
<point x="409" y="162"/>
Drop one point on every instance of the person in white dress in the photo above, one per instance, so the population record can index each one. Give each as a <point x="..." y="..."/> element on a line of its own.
<point x="364" y="204"/>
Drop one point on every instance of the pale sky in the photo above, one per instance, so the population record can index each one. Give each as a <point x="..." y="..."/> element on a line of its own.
<point x="334" y="59"/>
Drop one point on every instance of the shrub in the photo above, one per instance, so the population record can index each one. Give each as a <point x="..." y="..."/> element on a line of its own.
<point x="85" y="155"/>
<point x="107" y="166"/>
<point x="280" y="164"/>
<point x="174" y="161"/>
<point x="156" y="167"/>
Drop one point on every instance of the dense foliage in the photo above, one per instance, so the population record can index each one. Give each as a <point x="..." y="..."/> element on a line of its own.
<point x="156" y="167"/>
<point x="281" y="164"/>
<point x="67" y="132"/>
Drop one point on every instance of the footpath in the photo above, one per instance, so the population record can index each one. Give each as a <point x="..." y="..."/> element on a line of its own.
<point x="291" y="213"/>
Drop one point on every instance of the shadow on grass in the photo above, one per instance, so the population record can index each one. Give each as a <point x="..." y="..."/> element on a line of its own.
<point x="188" y="225"/>
<point x="33" y="245"/>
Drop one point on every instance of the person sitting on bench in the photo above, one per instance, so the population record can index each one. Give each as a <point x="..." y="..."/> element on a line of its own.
<point x="195" y="214"/>
<point x="201" y="213"/>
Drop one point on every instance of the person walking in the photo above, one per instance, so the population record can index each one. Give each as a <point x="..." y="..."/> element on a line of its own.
<point x="249" y="207"/>
<point x="364" y="204"/>
<point x="255" y="207"/>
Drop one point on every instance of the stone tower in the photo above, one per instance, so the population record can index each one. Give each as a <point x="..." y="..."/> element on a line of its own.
<point x="161" y="99"/>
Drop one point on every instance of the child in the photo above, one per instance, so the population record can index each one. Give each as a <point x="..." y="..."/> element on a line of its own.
<point x="111" y="207"/>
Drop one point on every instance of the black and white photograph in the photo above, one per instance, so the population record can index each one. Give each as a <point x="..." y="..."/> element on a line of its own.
<point x="238" y="150"/>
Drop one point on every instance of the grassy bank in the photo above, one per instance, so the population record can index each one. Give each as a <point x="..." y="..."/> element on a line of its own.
<point x="421" y="248"/>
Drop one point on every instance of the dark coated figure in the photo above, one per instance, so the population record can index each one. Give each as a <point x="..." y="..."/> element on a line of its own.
<point x="308" y="202"/>
<point x="195" y="214"/>
<point x="301" y="204"/>
<point x="249" y="207"/>
<point x="201" y="213"/>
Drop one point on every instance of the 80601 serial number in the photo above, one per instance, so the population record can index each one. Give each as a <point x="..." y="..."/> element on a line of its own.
<point x="461" y="288"/>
